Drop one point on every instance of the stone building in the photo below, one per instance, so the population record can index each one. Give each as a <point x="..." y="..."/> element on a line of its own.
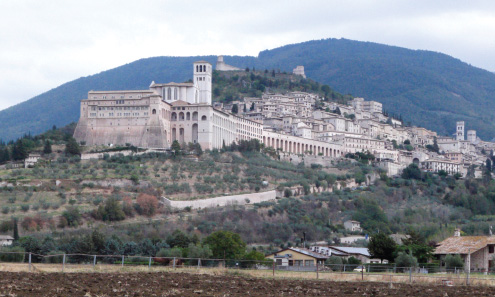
<point x="478" y="252"/>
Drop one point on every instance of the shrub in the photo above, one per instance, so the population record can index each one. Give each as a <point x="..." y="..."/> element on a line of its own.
<point x="55" y="257"/>
<point x="453" y="261"/>
<point x="406" y="260"/>
<point x="169" y="253"/>
<point x="25" y="207"/>
<point x="12" y="257"/>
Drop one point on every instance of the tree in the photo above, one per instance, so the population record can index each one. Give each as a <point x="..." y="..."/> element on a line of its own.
<point x="16" y="229"/>
<point x="411" y="172"/>
<point x="148" y="204"/>
<point x="72" y="215"/>
<point x="488" y="165"/>
<point x="382" y="246"/>
<point x="72" y="147"/>
<point x="252" y="107"/>
<point x="198" y="251"/>
<point x="176" y="147"/>
<point x="406" y="260"/>
<point x="435" y="145"/>
<point x="235" y="109"/>
<point x="226" y="244"/>
<point x="178" y="239"/>
<point x="453" y="261"/>
<point x="47" y="148"/>
<point x="111" y="211"/>
<point x="19" y="150"/>
<point x="98" y="239"/>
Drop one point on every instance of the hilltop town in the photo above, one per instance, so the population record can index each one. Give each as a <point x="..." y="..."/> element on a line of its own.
<point x="294" y="124"/>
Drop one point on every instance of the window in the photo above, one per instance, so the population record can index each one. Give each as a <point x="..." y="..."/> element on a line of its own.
<point x="491" y="249"/>
<point x="154" y="111"/>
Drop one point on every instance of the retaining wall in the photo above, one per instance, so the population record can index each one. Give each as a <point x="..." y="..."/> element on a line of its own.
<point x="222" y="201"/>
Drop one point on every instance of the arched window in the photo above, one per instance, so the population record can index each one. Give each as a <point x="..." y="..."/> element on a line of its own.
<point x="195" y="116"/>
<point x="188" y="116"/>
<point x="175" y="93"/>
<point x="181" y="116"/>
<point x="154" y="111"/>
<point x="197" y="69"/>
<point x="169" y="93"/>
<point x="174" y="116"/>
<point x="203" y="118"/>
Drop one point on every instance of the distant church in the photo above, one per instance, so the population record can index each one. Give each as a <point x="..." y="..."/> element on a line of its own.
<point x="156" y="117"/>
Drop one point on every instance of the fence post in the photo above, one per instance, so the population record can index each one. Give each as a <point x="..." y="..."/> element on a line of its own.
<point x="174" y="263"/>
<point x="94" y="262"/>
<point x="362" y="272"/>
<point x="317" y="276"/>
<point x="199" y="263"/>
<point x="63" y="263"/>
<point x="410" y="274"/>
<point x="29" y="262"/>
<point x="122" y="260"/>
<point x="344" y="267"/>
<point x="467" y="276"/>
<point x="149" y="264"/>
<point x="273" y="267"/>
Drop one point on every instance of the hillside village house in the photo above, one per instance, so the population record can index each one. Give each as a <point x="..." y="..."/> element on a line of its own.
<point x="353" y="226"/>
<point x="6" y="240"/>
<point x="478" y="252"/>
<point x="297" y="259"/>
<point x="362" y="254"/>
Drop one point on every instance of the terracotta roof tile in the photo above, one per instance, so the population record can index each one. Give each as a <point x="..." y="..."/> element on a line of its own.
<point x="463" y="244"/>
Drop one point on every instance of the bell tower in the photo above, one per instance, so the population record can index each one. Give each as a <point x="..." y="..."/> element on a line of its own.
<point x="460" y="131"/>
<point x="202" y="82"/>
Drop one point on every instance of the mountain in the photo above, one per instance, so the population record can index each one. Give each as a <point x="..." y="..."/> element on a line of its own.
<point x="428" y="89"/>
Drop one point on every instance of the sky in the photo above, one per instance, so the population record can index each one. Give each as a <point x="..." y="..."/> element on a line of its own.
<point x="44" y="44"/>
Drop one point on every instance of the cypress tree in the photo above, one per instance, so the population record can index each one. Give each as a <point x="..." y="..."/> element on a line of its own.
<point x="16" y="230"/>
<point x="47" y="149"/>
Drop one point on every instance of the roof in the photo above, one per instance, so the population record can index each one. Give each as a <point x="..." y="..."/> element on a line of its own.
<point x="120" y="92"/>
<point x="303" y="251"/>
<point x="202" y="61"/>
<point x="352" y="250"/>
<point x="6" y="237"/>
<point x="173" y="84"/>
<point x="179" y="103"/>
<point x="463" y="244"/>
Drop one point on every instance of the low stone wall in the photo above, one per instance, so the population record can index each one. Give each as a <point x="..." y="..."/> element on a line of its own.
<point x="89" y="156"/>
<point x="241" y="199"/>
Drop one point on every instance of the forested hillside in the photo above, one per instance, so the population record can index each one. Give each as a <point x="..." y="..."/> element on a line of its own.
<point x="428" y="89"/>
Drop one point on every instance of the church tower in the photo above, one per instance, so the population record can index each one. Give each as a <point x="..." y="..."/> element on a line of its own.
<point x="460" y="131"/>
<point x="202" y="82"/>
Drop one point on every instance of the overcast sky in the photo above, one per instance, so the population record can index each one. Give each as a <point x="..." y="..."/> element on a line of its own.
<point x="44" y="44"/>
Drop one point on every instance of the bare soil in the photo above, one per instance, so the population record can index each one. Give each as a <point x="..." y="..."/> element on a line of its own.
<point x="184" y="284"/>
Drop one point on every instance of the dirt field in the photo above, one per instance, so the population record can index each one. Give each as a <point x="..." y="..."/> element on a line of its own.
<point x="184" y="284"/>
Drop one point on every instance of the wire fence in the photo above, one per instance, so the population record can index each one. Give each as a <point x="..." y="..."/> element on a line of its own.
<point x="67" y="263"/>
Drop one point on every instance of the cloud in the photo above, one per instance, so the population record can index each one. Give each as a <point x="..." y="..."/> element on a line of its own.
<point x="47" y="43"/>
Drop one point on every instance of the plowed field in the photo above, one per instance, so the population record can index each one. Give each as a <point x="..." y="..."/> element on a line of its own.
<point x="184" y="284"/>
